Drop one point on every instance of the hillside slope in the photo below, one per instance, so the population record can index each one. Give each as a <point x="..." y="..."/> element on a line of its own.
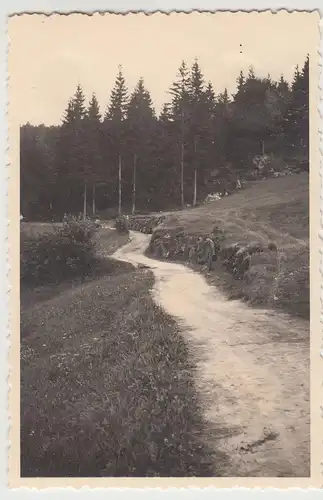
<point x="275" y="208"/>
<point x="263" y="252"/>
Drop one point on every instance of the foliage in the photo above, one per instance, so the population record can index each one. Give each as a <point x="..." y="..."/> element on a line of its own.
<point x="200" y="143"/>
<point x="64" y="252"/>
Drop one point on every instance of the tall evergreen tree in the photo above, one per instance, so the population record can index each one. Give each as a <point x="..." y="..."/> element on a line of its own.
<point x="73" y="164"/>
<point x="240" y="82"/>
<point x="94" y="146"/>
<point x="198" y="117"/>
<point x="117" y="108"/>
<point x="140" y="127"/>
<point x="115" y="118"/>
<point x="180" y="93"/>
<point x="297" y="116"/>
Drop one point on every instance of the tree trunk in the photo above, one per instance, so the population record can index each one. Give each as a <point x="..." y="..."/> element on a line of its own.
<point x="84" y="201"/>
<point x="194" y="196"/>
<point x="120" y="189"/>
<point x="195" y="173"/>
<point x="93" y="199"/>
<point x="134" y="184"/>
<point x="262" y="148"/>
<point x="182" y="174"/>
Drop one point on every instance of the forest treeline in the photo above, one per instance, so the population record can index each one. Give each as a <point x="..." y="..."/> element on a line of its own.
<point x="131" y="159"/>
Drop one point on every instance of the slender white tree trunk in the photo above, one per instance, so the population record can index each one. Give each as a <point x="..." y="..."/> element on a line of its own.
<point x="134" y="184"/>
<point x="93" y="199"/>
<point x="195" y="179"/>
<point x="84" y="201"/>
<point x="120" y="189"/>
<point x="263" y="147"/>
<point x="182" y="173"/>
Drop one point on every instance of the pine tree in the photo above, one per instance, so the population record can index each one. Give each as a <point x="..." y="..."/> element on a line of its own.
<point x="79" y="104"/>
<point x="224" y="97"/>
<point x="93" y="111"/>
<point x="94" y="142"/>
<point x="180" y="115"/>
<point x="72" y="150"/>
<point x="69" y="115"/>
<point x="210" y="97"/>
<point x="115" y="116"/>
<point x="295" y="125"/>
<point x="251" y="73"/>
<point x="222" y="130"/>
<point x="240" y="82"/>
<point x="140" y="124"/>
<point x="198" y="119"/>
<point x="166" y="176"/>
<point x="117" y="108"/>
<point x="283" y="87"/>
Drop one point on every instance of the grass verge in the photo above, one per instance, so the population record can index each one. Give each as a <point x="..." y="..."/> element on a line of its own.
<point x="106" y="386"/>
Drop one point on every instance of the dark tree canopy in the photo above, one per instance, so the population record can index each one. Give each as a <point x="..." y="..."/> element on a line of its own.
<point x="203" y="139"/>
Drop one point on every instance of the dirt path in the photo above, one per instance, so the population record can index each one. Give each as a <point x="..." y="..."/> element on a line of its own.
<point x="252" y="370"/>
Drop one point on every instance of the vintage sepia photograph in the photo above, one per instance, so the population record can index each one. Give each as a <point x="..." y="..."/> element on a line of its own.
<point x="163" y="181"/>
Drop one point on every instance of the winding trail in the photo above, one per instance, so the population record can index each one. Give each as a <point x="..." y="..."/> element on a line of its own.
<point x="252" y="370"/>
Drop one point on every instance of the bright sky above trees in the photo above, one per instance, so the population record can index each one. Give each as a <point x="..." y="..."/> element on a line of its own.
<point x="49" y="56"/>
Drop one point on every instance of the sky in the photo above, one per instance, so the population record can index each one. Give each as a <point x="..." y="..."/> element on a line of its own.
<point x="50" y="55"/>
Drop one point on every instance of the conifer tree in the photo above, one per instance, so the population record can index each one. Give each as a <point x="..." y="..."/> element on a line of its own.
<point x="140" y="123"/>
<point x="198" y="119"/>
<point x="297" y="116"/>
<point x="117" y="108"/>
<point x="94" y="142"/>
<point x="72" y="150"/>
<point x="180" y="115"/>
<point x="240" y="82"/>
<point x="115" y="116"/>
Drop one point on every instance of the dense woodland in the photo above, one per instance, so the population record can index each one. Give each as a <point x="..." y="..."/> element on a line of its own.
<point x="131" y="160"/>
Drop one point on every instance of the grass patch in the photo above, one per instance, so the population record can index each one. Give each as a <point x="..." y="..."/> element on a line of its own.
<point x="106" y="386"/>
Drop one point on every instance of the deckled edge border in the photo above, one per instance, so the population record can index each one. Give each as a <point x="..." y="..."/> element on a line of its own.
<point x="7" y="184"/>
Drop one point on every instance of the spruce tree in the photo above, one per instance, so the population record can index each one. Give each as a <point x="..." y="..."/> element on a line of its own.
<point x="94" y="146"/>
<point x="296" y="119"/>
<point x="72" y="151"/>
<point x="117" y="108"/>
<point x="115" y="117"/>
<point x="240" y="82"/>
<point x="180" y="115"/>
<point x="198" y="121"/>
<point x="140" y="128"/>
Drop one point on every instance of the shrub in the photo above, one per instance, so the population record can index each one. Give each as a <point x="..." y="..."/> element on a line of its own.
<point x="67" y="251"/>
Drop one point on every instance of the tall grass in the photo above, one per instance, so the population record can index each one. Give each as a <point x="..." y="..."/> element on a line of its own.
<point x="107" y="387"/>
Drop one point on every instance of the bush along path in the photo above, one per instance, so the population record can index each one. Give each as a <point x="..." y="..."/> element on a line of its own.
<point x="260" y="422"/>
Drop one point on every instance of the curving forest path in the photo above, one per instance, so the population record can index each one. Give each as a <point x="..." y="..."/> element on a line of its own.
<point x="252" y="369"/>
